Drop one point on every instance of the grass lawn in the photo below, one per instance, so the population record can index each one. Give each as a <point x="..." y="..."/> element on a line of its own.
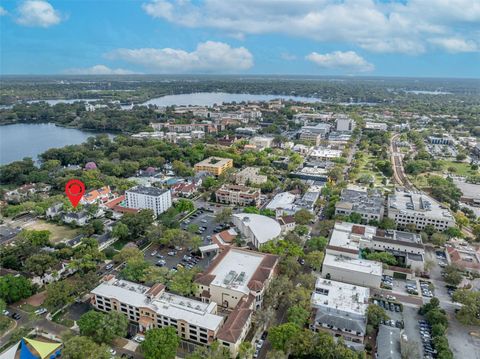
<point x="367" y="167"/>
<point x="461" y="168"/>
<point x="58" y="232"/>
<point x="6" y="324"/>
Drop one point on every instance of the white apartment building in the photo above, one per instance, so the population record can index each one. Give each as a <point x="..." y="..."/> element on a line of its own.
<point x="261" y="142"/>
<point x="345" y="124"/>
<point x="418" y="209"/>
<point x="340" y="309"/>
<point x="250" y="175"/>
<point x="153" y="307"/>
<point x="378" y="126"/>
<point x="142" y="197"/>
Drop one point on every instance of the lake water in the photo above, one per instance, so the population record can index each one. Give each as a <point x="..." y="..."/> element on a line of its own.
<point x="29" y="140"/>
<point x="211" y="98"/>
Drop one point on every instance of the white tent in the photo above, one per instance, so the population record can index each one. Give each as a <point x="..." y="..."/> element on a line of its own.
<point x="10" y="353"/>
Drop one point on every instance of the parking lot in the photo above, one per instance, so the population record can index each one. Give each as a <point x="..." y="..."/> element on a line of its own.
<point x="410" y="319"/>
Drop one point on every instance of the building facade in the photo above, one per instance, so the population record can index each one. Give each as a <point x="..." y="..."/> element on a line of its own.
<point x="214" y="165"/>
<point x="156" y="199"/>
<point x="238" y="195"/>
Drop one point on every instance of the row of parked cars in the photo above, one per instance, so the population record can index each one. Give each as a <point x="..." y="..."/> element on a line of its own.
<point x="426" y="334"/>
<point x="411" y="288"/>
<point x="393" y="323"/>
<point x="425" y="288"/>
<point x="259" y="344"/>
<point x="393" y="307"/>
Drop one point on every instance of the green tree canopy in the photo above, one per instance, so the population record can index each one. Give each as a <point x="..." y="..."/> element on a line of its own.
<point x="160" y="343"/>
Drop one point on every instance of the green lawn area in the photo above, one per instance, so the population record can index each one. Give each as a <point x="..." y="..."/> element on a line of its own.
<point x="461" y="168"/>
<point x="367" y="167"/>
<point x="58" y="232"/>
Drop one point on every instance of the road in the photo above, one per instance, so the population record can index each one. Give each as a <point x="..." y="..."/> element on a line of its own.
<point x="396" y="158"/>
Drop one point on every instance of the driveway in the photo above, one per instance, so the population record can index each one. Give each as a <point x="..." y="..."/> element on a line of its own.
<point x="410" y="319"/>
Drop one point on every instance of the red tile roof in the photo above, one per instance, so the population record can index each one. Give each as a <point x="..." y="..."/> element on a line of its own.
<point x="233" y="327"/>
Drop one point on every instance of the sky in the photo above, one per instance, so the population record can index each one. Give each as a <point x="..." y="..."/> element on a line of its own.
<point x="405" y="38"/>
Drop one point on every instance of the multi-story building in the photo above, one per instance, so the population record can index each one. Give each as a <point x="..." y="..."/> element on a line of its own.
<point x="378" y="126"/>
<point x="314" y="134"/>
<point x="340" y="309"/>
<point x="189" y="127"/>
<point x="419" y="210"/>
<point x="261" y="142"/>
<point x="345" y="124"/>
<point x="214" y="165"/>
<point x="238" y="195"/>
<point x="444" y="140"/>
<point x="142" y="197"/>
<point x="369" y="204"/>
<point x="324" y="154"/>
<point x="257" y="229"/>
<point x="250" y="175"/>
<point x="237" y="280"/>
<point x="310" y="137"/>
<point x="356" y="271"/>
<point x="153" y="307"/>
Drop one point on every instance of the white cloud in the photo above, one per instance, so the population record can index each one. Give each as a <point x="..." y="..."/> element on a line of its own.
<point x="3" y="11"/>
<point x="209" y="56"/>
<point x="97" y="70"/>
<point x="37" y="13"/>
<point x="347" y="61"/>
<point x="394" y="26"/>
<point x="455" y="45"/>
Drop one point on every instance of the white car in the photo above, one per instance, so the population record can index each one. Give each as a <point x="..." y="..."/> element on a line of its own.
<point x="112" y="351"/>
<point x="139" y="339"/>
<point x="154" y="253"/>
<point x="6" y="312"/>
<point x="40" y="311"/>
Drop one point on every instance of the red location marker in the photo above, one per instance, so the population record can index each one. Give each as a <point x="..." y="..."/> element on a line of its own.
<point x="74" y="189"/>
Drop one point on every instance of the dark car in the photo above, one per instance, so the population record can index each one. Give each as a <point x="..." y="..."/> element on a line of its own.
<point x="16" y="316"/>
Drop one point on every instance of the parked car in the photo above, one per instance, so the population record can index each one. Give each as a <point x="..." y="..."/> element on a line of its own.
<point x="139" y="338"/>
<point x="172" y="253"/>
<point x="16" y="316"/>
<point x="109" y="266"/>
<point x="40" y="311"/>
<point x="6" y="312"/>
<point x="154" y="253"/>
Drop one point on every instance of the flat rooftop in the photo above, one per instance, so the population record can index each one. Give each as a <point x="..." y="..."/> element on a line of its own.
<point x="342" y="296"/>
<point x="325" y="152"/>
<point x="236" y="269"/>
<point x="167" y="304"/>
<point x="355" y="265"/>
<point x="349" y="235"/>
<point x="281" y="200"/>
<point x="149" y="191"/>
<point x="214" y="161"/>
<point x="417" y="203"/>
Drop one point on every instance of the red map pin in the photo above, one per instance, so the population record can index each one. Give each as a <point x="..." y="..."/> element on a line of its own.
<point x="74" y="189"/>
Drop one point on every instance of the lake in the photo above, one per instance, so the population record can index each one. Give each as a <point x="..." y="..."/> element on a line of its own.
<point x="211" y="98"/>
<point x="29" y="140"/>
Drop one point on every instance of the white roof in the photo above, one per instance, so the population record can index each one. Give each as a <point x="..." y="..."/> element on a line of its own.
<point x="342" y="296"/>
<point x="263" y="228"/>
<point x="167" y="304"/>
<point x="236" y="269"/>
<point x="282" y="200"/>
<point x="356" y="265"/>
<point x="325" y="152"/>
<point x="342" y="235"/>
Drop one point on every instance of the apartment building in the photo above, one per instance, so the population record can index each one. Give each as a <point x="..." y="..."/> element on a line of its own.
<point x="154" y="307"/>
<point x="214" y="165"/>
<point x="377" y="126"/>
<point x="324" y="154"/>
<point x="237" y="280"/>
<point x="142" y="197"/>
<point x="369" y="204"/>
<point x="418" y="209"/>
<point x="340" y="309"/>
<point x="250" y="175"/>
<point x="261" y="142"/>
<point x="189" y="127"/>
<point x="238" y="195"/>
<point x="345" y="124"/>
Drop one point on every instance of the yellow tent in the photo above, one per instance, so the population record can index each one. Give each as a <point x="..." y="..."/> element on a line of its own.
<point x="43" y="348"/>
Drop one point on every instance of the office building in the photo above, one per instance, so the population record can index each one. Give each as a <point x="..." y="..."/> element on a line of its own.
<point x="419" y="210"/>
<point x="345" y="124"/>
<point x="377" y="126"/>
<point x="142" y="197"/>
<point x="214" y="165"/>
<point x="369" y="204"/>
<point x="340" y="309"/>
<point x="238" y="195"/>
<point x="250" y="175"/>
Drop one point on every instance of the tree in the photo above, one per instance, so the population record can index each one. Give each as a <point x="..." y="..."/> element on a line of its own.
<point x="120" y="231"/>
<point x="429" y="264"/>
<point x="101" y="327"/>
<point x="213" y="351"/>
<point x="469" y="314"/>
<point x="439" y="239"/>
<point x="14" y="288"/>
<point x="283" y="336"/>
<point x="79" y="347"/>
<point x="154" y="274"/>
<point x="317" y="243"/>
<point x="314" y="259"/>
<point x="134" y="270"/>
<point x="384" y="257"/>
<point x="375" y="315"/>
<point x="184" y="205"/>
<point x="223" y="215"/>
<point x="182" y="282"/>
<point x="192" y="227"/>
<point x="354" y="217"/>
<point x="461" y="219"/>
<point x="97" y="226"/>
<point x="387" y="223"/>
<point x="160" y="343"/>
<point x="303" y="216"/>
<point x="453" y="275"/>
<point x="39" y="263"/>
<point x="301" y="230"/>
<point x="37" y="238"/>
<point x="298" y="315"/>
<point x="246" y="350"/>
<point x="59" y="293"/>
<point x="127" y="254"/>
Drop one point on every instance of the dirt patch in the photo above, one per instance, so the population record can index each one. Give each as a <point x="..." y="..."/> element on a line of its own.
<point x="37" y="299"/>
<point x="58" y="233"/>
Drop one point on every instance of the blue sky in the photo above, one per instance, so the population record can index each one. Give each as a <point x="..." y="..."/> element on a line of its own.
<point x="427" y="38"/>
